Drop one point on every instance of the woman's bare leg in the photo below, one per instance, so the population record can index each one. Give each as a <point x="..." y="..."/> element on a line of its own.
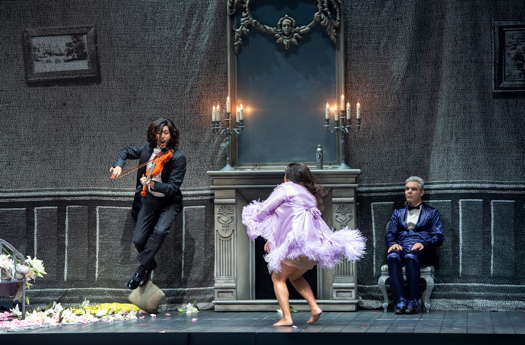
<point x="303" y="287"/>
<point x="282" y="294"/>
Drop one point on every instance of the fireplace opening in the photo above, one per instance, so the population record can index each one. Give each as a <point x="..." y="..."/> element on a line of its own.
<point x="263" y="280"/>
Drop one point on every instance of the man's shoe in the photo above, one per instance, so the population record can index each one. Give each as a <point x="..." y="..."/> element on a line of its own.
<point x="146" y="276"/>
<point x="134" y="282"/>
<point x="400" y="306"/>
<point x="139" y="278"/>
<point x="412" y="307"/>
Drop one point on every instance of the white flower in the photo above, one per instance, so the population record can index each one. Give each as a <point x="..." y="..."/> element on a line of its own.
<point x="67" y="316"/>
<point x="6" y="262"/>
<point x="37" y="266"/>
<point x="188" y="309"/>
<point x="57" y="308"/>
<point x="35" y="315"/>
<point x="132" y="315"/>
<point x="24" y="269"/>
<point x="100" y="313"/>
<point x="16" y="311"/>
<point x="280" y="312"/>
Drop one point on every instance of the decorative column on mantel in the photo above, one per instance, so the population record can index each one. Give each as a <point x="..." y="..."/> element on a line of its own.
<point x="235" y="253"/>
<point x="225" y="225"/>
<point x="343" y="214"/>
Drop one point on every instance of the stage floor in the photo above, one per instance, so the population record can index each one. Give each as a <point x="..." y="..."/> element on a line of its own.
<point x="369" y="327"/>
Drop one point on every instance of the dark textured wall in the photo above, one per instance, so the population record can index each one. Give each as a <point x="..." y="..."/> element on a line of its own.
<point x="422" y="71"/>
<point x="157" y="58"/>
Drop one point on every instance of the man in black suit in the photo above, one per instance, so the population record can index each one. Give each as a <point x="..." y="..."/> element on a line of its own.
<point x="155" y="212"/>
<point x="413" y="234"/>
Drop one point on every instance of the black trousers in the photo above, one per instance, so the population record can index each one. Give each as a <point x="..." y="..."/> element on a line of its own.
<point x="154" y="221"/>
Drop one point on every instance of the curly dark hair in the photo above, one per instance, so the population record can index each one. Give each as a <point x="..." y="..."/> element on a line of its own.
<point x="156" y="127"/>
<point x="300" y="174"/>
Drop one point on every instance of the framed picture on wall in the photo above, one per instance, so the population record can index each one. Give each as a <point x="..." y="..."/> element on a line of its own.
<point x="60" y="53"/>
<point x="509" y="56"/>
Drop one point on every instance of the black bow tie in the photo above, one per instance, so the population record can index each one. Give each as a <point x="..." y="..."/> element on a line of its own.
<point x="413" y="207"/>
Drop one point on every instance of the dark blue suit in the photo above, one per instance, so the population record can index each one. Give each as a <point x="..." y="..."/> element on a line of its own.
<point x="428" y="231"/>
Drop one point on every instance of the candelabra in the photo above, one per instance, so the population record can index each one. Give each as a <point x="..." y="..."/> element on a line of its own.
<point x="227" y="127"/>
<point x="341" y="126"/>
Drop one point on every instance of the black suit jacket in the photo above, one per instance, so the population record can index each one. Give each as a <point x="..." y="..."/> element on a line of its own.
<point x="172" y="174"/>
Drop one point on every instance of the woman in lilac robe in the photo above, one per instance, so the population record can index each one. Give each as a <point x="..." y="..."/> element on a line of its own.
<point x="297" y="238"/>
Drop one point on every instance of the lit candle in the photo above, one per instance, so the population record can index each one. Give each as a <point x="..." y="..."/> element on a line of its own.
<point x="228" y="104"/>
<point x="336" y="113"/>
<point x="213" y="114"/>
<point x="241" y="113"/>
<point x="327" y="111"/>
<point x="358" y="110"/>
<point x="218" y="112"/>
<point x="342" y="103"/>
<point x="348" y="111"/>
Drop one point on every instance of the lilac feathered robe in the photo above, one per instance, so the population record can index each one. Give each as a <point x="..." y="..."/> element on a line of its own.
<point x="291" y="222"/>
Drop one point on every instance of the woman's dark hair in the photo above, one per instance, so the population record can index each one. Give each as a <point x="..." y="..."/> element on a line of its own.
<point x="156" y="127"/>
<point x="300" y="174"/>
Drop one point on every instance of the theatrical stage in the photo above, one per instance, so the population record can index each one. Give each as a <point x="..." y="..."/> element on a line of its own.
<point x="247" y="328"/>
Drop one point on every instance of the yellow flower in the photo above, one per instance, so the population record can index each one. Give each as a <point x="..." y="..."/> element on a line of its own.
<point x="103" y="309"/>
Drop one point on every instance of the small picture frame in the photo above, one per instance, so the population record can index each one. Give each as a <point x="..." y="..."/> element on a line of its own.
<point x="509" y="56"/>
<point x="60" y="53"/>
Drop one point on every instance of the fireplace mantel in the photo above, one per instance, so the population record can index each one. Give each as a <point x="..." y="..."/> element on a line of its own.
<point x="235" y="253"/>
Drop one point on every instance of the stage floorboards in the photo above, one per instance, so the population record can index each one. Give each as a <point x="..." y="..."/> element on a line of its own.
<point x="363" y="327"/>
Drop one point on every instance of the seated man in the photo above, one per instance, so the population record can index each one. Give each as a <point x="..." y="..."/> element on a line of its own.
<point x="413" y="233"/>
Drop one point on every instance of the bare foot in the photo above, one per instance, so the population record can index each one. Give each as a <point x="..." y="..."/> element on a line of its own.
<point x="283" y="323"/>
<point x="316" y="314"/>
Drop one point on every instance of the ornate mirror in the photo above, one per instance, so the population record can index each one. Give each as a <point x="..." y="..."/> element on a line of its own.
<point x="285" y="62"/>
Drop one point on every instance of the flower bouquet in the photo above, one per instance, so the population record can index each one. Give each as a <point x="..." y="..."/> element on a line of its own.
<point x="12" y="268"/>
<point x="56" y="314"/>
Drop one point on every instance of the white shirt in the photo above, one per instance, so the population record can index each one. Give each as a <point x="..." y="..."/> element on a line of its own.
<point x="156" y="152"/>
<point x="413" y="217"/>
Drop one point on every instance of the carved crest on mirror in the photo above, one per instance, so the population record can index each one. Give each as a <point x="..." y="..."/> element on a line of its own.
<point x="286" y="32"/>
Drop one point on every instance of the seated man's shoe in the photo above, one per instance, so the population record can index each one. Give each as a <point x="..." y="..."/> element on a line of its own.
<point x="400" y="306"/>
<point x="412" y="307"/>
<point x="139" y="278"/>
